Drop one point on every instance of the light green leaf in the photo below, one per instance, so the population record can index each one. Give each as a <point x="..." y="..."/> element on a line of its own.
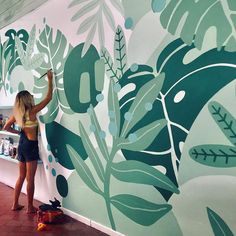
<point x="76" y="2"/>
<point x="20" y="48"/>
<point x="141" y="173"/>
<point x="193" y="19"/>
<point x="92" y="154"/>
<point x="140" y="210"/>
<point x="108" y="14"/>
<point x="83" y="170"/>
<point x="147" y="94"/>
<point x="86" y="24"/>
<point x="31" y="42"/>
<point x="118" y="5"/>
<point x="101" y="142"/>
<point x="224" y="120"/>
<point x="114" y="108"/>
<point x="219" y="227"/>
<point x="101" y="33"/>
<point x="89" y="39"/>
<point x="142" y="138"/>
<point x="214" y="155"/>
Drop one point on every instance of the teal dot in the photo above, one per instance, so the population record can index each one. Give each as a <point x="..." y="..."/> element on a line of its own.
<point x="48" y="147"/>
<point x="148" y="106"/>
<point x="62" y="185"/>
<point x="54" y="173"/>
<point x="11" y="90"/>
<point x="158" y="5"/>
<point x="99" y="97"/>
<point x="117" y="88"/>
<point x="111" y="114"/>
<point x="50" y="158"/>
<point x="129" y="23"/>
<point x="92" y="128"/>
<point x="132" y="137"/>
<point x="134" y="67"/>
<point x="128" y="116"/>
<point x="112" y="128"/>
<point x="102" y="134"/>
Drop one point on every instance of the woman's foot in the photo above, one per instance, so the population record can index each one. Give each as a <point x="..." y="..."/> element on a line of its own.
<point x="17" y="207"/>
<point x="31" y="210"/>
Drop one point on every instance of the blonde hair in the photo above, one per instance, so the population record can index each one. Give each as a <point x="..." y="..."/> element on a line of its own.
<point x="23" y="103"/>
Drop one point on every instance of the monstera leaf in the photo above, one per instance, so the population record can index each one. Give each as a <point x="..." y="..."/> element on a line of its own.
<point x="11" y="47"/>
<point x="199" y="17"/>
<point x="54" y="47"/>
<point x="185" y="84"/>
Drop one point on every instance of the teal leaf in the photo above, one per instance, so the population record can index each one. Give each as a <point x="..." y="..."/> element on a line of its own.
<point x="92" y="154"/>
<point x="143" y="137"/>
<point x="83" y="170"/>
<point x="113" y="106"/>
<point x="120" y="54"/>
<point x="100" y="141"/>
<point x="200" y="17"/>
<point x="214" y="155"/>
<point x="56" y="49"/>
<point x="224" y="120"/>
<point x="158" y="5"/>
<point x="140" y="210"/>
<point x="147" y="94"/>
<point x="219" y="227"/>
<point x="141" y="173"/>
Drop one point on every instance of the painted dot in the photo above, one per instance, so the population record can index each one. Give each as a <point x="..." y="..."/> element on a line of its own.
<point x="111" y="114"/>
<point x="158" y="5"/>
<point x="50" y="158"/>
<point x="117" y="88"/>
<point x="47" y="167"/>
<point x="92" y="128"/>
<point x="48" y="147"/>
<point x="99" y="97"/>
<point x="134" y="67"/>
<point x="129" y="23"/>
<point x="179" y="96"/>
<point x="112" y="128"/>
<point x="128" y="116"/>
<point x="132" y="137"/>
<point x="102" y="134"/>
<point x="89" y="111"/>
<point x="148" y="106"/>
<point x="54" y="173"/>
<point x="62" y="185"/>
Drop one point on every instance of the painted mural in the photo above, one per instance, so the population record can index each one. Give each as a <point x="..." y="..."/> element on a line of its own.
<point x="140" y="133"/>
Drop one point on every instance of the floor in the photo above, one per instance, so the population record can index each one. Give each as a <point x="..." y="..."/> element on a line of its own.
<point x="18" y="223"/>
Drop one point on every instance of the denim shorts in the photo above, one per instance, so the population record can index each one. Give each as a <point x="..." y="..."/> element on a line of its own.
<point x="28" y="150"/>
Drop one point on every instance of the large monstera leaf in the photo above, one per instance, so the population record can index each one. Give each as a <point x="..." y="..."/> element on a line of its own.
<point x="54" y="47"/>
<point x="199" y="17"/>
<point x="187" y="88"/>
<point x="11" y="48"/>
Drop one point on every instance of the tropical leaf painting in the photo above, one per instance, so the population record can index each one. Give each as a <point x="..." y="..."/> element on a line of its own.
<point x="29" y="59"/>
<point x="56" y="50"/>
<point x="199" y="17"/>
<point x="217" y="155"/>
<point x="96" y="12"/>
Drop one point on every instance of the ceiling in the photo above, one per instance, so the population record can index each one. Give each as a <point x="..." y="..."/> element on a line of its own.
<point x="11" y="10"/>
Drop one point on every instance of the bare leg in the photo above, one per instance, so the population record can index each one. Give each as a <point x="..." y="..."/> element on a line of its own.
<point x="31" y="168"/>
<point x="22" y="173"/>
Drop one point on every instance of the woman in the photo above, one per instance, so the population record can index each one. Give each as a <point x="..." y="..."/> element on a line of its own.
<point x="24" y="114"/>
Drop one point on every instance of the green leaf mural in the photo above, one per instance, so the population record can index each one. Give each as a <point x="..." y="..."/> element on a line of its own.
<point x="83" y="78"/>
<point x="138" y="172"/>
<point x="54" y="48"/>
<point x="58" y="137"/>
<point x="94" y="13"/>
<point x="197" y="17"/>
<point x="139" y="210"/>
<point x="219" y="227"/>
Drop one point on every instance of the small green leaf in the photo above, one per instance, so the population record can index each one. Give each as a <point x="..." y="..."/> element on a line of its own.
<point x="92" y="154"/>
<point x="20" y="48"/>
<point x="86" y="24"/>
<point x="141" y="173"/>
<point x="31" y="42"/>
<point x="140" y="210"/>
<point x="143" y="137"/>
<point x="219" y="227"/>
<point x="224" y="120"/>
<point x="83" y="170"/>
<point x="89" y="39"/>
<point x="214" y="155"/>
<point x="147" y="94"/>
<point x="118" y="5"/>
<point x="108" y="14"/>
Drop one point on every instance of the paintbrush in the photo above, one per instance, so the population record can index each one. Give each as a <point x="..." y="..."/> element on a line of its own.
<point x="44" y="74"/>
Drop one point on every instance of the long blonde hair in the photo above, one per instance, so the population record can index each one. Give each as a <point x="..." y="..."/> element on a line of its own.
<point x="23" y="103"/>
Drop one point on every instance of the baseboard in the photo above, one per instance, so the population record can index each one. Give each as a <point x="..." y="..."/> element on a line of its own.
<point x="91" y="223"/>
